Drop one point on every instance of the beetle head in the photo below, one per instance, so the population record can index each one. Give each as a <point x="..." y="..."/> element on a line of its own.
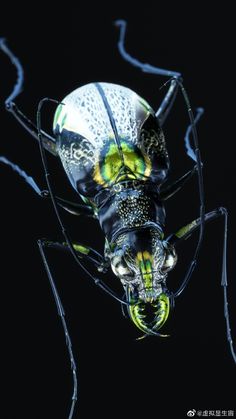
<point x="141" y="260"/>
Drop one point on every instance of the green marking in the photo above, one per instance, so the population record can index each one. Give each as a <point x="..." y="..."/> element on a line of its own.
<point x="110" y="163"/>
<point x="90" y="203"/>
<point x="113" y="162"/>
<point x="78" y="247"/>
<point x="60" y="117"/>
<point x="148" y="276"/>
<point x="63" y="122"/>
<point x="145" y="105"/>
<point x="184" y="230"/>
<point x="164" y="310"/>
<point x="57" y="115"/>
<point x="81" y="249"/>
<point x="112" y="246"/>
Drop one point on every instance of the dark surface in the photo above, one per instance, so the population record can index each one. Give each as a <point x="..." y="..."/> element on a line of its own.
<point x="61" y="50"/>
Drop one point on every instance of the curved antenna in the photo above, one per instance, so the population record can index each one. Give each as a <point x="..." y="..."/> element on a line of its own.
<point x="28" y="125"/>
<point x="145" y="67"/>
<point x="18" y="86"/>
<point x="28" y="179"/>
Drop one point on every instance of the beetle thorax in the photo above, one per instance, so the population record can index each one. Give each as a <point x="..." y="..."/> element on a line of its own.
<point x="130" y="205"/>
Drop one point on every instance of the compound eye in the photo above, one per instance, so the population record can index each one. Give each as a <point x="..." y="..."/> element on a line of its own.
<point x="170" y="260"/>
<point x="120" y="268"/>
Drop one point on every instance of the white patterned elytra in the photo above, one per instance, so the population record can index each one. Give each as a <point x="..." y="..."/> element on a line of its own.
<point x="83" y="114"/>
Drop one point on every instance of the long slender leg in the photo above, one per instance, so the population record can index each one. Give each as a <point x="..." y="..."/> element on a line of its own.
<point x="76" y="209"/>
<point x="84" y="252"/>
<point x="61" y="314"/>
<point x="167" y="103"/>
<point x="49" y="142"/>
<point x="171" y="190"/>
<point x="189" y="149"/>
<point x="183" y="234"/>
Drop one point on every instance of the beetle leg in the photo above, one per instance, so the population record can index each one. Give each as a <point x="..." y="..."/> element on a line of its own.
<point x="189" y="149"/>
<point x="83" y="252"/>
<point x="72" y="207"/>
<point x="183" y="234"/>
<point x="171" y="190"/>
<point x="61" y="313"/>
<point x="76" y="209"/>
<point x="167" y="103"/>
<point x="49" y="142"/>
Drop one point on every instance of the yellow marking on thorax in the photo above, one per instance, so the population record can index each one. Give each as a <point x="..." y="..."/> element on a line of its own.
<point x="145" y="264"/>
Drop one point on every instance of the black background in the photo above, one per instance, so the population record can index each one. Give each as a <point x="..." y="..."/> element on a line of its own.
<point x="61" y="49"/>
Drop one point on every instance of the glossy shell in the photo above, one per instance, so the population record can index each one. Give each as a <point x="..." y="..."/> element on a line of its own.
<point x="107" y="133"/>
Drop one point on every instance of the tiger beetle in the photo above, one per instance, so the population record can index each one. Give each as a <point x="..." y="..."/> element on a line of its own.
<point x="112" y="147"/>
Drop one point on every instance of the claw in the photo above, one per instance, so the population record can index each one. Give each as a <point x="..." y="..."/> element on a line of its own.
<point x="160" y="310"/>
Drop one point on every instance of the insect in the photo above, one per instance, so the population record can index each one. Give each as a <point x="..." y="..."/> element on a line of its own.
<point x="112" y="147"/>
